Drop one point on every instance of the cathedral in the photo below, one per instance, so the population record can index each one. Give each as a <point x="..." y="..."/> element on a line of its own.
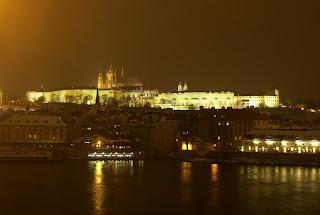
<point x="112" y="80"/>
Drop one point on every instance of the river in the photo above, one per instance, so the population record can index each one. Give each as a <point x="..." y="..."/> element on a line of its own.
<point x="156" y="187"/>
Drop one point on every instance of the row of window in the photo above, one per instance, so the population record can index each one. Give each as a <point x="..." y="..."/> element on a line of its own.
<point x="23" y="129"/>
<point x="18" y="137"/>
<point x="30" y="121"/>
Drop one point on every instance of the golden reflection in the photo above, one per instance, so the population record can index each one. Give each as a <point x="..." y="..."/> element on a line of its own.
<point x="314" y="174"/>
<point x="214" y="172"/>
<point x="98" y="172"/>
<point x="120" y="167"/>
<point x="284" y="175"/>
<point x="98" y="188"/>
<point x="131" y="167"/>
<point x="299" y="174"/>
<point x="140" y="167"/>
<point x="141" y="163"/>
<point x="281" y="174"/>
<point x="186" y="172"/>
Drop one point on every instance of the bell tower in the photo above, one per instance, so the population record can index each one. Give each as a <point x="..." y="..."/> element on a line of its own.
<point x="111" y="78"/>
<point x="100" y="84"/>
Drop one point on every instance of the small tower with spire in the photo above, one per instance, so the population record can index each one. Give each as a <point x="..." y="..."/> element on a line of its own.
<point x="180" y="88"/>
<point x="185" y="86"/>
<point x="100" y="84"/>
<point x="122" y="72"/>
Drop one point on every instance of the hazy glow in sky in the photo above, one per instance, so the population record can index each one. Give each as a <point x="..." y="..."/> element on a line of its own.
<point x="232" y="45"/>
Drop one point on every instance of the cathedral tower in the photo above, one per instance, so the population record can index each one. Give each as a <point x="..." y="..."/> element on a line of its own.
<point x="111" y="78"/>
<point x="100" y="81"/>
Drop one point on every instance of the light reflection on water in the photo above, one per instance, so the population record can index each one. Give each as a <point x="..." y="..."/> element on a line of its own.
<point x="216" y="184"/>
<point x="214" y="168"/>
<point x="157" y="187"/>
<point x="280" y="174"/>
<point x="186" y="170"/>
<point x="106" y="173"/>
<point x="98" y="188"/>
<point x="276" y="188"/>
<point x="186" y="179"/>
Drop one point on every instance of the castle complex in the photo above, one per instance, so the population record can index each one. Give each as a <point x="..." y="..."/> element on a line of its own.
<point x="122" y="90"/>
<point x="112" y="88"/>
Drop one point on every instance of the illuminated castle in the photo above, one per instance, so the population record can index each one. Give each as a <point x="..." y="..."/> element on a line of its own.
<point x="114" y="86"/>
<point x="112" y="80"/>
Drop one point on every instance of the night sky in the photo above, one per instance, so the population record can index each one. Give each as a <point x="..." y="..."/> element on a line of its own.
<point x="240" y="45"/>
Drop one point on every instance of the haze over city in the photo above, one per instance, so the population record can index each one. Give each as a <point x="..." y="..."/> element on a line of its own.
<point x="185" y="107"/>
<point x="219" y="45"/>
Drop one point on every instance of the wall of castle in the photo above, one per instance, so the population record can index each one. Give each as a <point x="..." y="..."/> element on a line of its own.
<point x="218" y="100"/>
<point x="175" y="100"/>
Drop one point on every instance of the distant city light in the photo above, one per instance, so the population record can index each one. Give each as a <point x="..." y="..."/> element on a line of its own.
<point x="269" y="142"/>
<point x="256" y="141"/>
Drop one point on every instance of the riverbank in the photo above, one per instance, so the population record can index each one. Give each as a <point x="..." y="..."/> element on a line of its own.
<point x="253" y="158"/>
<point x="212" y="157"/>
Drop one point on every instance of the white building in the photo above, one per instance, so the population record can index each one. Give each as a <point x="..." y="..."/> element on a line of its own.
<point x="282" y="140"/>
<point x="271" y="101"/>
<point x="194" y="100"/>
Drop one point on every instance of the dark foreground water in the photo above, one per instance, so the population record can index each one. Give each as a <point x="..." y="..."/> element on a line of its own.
<point x="156" y="187"/>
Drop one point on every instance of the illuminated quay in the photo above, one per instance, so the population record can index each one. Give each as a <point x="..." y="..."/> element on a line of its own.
<point x="282" y="141"/>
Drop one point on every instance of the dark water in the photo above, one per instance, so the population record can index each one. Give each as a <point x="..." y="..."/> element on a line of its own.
<point x="157" y="187"/>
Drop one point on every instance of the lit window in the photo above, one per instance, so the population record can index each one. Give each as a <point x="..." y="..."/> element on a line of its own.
<point x="186" y="147"/>
<point x="284" y="143"/>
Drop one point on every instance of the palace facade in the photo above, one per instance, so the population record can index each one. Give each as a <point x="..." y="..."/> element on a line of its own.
<point x="184" y="100"/>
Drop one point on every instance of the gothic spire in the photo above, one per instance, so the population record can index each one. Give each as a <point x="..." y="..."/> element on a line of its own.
<point x="97" y="97"/>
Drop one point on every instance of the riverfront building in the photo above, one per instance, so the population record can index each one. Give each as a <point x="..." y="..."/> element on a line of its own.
<point x="225" y="128"/>
<point x="282" y="140"/>
<point x="29" y="129"/>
